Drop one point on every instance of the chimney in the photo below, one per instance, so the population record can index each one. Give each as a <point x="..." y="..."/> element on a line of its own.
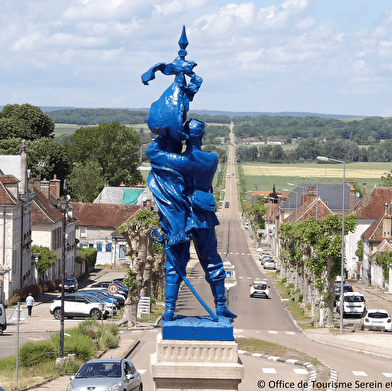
<point x="45" y="188"/>
<point x="23" y="172"/>
<point x="386" y="223"/>
<point x="352" y="198"/>
<point x="54" y="186"/>
<point x="364" y="189"/>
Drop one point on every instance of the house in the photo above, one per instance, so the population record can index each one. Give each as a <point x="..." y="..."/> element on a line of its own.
<point x="97" y="229"/>
<point x="48" y="228"/>
<point x="15" y="237"/>
<point x="374" y="226"/>
<point x="15" y="229"/>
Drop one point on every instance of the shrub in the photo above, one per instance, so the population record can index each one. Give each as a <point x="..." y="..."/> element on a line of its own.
<point x="16" y="296"/>
<point x="8" y="363"/>
<point x="80" y="344"/>
<point x="33" y="289"/>
<point x="34" y="349"/>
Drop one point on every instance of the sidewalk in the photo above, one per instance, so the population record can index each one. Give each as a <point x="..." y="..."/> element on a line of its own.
<point x="372" y="343"/>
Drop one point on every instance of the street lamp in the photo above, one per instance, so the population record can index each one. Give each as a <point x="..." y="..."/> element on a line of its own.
<point x="303" y="203"/>
<point x="317" y="191"/>
<point x="326" y="159"/>
<point x="64" y="207"/>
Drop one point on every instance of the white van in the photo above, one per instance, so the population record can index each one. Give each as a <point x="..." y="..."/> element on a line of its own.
<point x="3" y="319"/>
<point x="353" y="304"/>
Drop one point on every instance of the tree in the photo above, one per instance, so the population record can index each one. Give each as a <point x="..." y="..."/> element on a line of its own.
<point x="114" y="146"/>
<point x="316" y="245"/>
<point x="46" y="259"/>
<point x="53" y="154"/>
<point x="85" y="181"/>
<point x="137" y="232"/>
<point x="25" y="121"/>
<point x="386" y="181"/>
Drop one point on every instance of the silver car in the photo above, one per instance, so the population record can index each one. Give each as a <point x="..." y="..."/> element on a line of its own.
<point x="113" y="374"/>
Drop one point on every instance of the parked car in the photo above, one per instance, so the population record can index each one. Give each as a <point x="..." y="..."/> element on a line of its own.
<point x="353" y="304"/>
<point x="346" y="288"/>
<point x="3" y="319"/>
<point x="259" y="289"/>
<point x="96" y="296"/>
<point x="376" y="320"/>
<point x="269" y="263"/>
<point x="117" y="296"/>
<point x="227" y="204"/>
<point x="70" y="284"/>
<point x="263" y="258"/>
<point x="113" y="374"/>
<point x="81" y="306"/>
<point x="247" y="225"/>
<point x="228" y="175"/>
<point x="122" y="289"/>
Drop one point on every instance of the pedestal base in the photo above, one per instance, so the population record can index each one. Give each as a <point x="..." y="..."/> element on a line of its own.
<point x="196" y="365"/>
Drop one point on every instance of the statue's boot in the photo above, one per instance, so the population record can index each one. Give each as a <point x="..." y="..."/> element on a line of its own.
<point x="171" y="293"/>
<point x="218" y="290"/>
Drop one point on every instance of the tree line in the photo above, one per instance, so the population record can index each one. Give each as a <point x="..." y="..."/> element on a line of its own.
<point x="308" y="149"/>
<point x="368" y="130"/>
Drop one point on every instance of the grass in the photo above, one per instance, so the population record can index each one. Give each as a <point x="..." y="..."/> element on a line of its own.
<point x="265" y="176"/>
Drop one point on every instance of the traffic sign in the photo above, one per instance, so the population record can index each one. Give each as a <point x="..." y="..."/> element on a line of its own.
<point x="113" y="289"/>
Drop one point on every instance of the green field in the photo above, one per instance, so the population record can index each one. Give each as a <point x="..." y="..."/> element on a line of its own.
<point x="265" y="176"/>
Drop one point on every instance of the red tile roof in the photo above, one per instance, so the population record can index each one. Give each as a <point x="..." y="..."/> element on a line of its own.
<point x="372" y="206"/>
<point x="102" y="215"/>
<point x="43" y="210"/>
<point x="6" y="198"/>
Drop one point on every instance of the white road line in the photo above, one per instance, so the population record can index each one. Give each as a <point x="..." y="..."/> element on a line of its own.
<point x="387" y="374"/>
<point x="359" y="373"/>
<point x="272" y="332"/>
<point x="268" y="370"/>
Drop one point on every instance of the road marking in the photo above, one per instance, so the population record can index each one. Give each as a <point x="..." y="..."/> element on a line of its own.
<point x="272" y="332"/>
<point x="359" y="373"/>
<point x="386" y="374"/>
<point x="268" y="370"/>
<point x="290" y="333"/>
<point x="142" y="371"/>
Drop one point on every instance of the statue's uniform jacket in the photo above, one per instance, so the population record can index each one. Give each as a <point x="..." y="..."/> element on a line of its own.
<point x="197" y="169"/>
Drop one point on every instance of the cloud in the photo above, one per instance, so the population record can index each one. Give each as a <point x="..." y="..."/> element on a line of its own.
<point x="284" y="53"/>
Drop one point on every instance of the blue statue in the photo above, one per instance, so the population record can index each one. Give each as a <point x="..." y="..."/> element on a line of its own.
<point x="182" y="184"/>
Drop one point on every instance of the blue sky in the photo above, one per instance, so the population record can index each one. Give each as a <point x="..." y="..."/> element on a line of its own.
<point x="318" y="56"/>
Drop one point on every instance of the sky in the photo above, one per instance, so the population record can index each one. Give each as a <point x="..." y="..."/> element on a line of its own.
<point x="316" y="56"/>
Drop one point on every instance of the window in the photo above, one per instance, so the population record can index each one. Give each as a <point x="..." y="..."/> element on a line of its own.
<point x="83" y="232"/>
<point x="108" y="247"/>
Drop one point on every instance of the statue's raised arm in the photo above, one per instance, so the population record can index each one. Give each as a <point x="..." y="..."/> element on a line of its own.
<point x="169" y="113"/>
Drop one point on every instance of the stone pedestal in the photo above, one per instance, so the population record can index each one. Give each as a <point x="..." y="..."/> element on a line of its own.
<point x="196" y="365"/>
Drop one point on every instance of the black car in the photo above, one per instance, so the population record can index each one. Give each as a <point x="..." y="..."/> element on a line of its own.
<point x="346" y="288"/>
<point x="227" y="204"/>
<point x="70" y="284"/>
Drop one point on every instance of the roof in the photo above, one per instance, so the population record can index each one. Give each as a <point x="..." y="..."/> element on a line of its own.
<point x="122" y="195"/>
<point x="6" y="198"/>
<point x="311" y="210"/>
<point x="102" y="215"/>
<point x="331" y="195"/>
<point x="372" y="206"/>
<point x="43" y="210"/>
